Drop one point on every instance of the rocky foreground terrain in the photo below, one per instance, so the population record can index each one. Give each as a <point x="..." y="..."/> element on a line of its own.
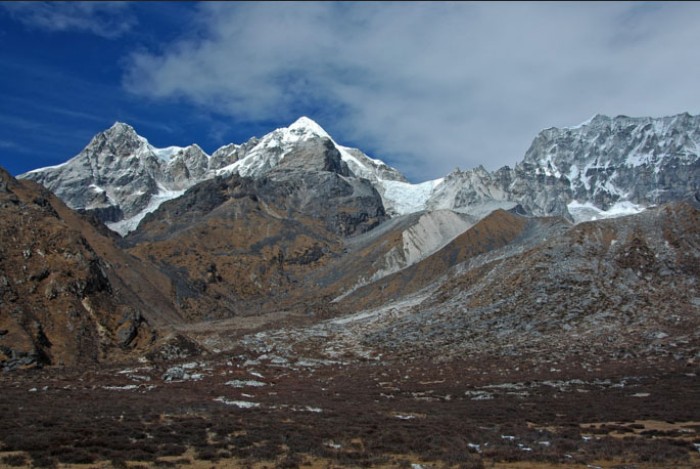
<point x="292" y="302"/>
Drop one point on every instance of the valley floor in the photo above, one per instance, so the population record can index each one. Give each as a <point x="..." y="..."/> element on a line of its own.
<point x="238" y="411"/>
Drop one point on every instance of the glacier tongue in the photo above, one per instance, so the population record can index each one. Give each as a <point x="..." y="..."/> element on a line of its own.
<point x="127" y="225"/>
<point x="401" y="198"/>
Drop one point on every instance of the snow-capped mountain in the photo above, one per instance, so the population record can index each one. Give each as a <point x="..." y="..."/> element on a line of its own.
<point x="270" y="150"/>
<point x="295" y="222"/>
<point x="603" y="167"/>
<point x="609" y="163"/>
<point x="122" y="177"/>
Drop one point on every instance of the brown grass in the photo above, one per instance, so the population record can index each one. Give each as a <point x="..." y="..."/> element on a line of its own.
<point x="77" y="420"/>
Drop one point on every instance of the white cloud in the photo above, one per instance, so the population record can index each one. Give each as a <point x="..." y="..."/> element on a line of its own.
<point x="428" y="86"/>
<point x="105" y="19"/>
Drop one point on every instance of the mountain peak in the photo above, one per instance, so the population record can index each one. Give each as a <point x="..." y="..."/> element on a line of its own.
<point x="596" y="119"/>
<point x="122" y="131"/>
<point x="307" y="125"/>
<point x="121" y="127"/>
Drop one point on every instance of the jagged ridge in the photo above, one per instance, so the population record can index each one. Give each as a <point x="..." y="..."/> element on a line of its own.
<point x="126" y="177"/>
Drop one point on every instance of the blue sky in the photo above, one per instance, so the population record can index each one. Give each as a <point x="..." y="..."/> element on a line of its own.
<point x="425" y="87"/>
<point x="62" y="86"/>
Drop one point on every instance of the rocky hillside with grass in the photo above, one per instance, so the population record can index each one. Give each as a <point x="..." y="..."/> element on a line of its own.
<point x="68" y="294"/>
<point x="540" y="292"/>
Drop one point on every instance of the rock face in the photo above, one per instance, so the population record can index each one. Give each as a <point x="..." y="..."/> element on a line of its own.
<point x="68" y="295"/>
<point x="643" y="160"/>
<point x="603" y="163"/>
<point x="541" y="291"/>
<point x="314" y="155"/>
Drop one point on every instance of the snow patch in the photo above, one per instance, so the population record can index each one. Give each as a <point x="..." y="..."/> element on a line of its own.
<point x="124" y="227"/>
<point x="41" y="170"/>
<point x="127" y="387"/>
<point x="306" y="125"/>
<point x="587" y="211"/>
<point x="166" y="154"/>
<point x="96" y="188"/>
<point x="332" y="444"/>
<point x="582" y="124"/>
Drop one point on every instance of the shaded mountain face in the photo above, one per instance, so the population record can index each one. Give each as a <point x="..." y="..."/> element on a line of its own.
<point x="232" y="242"/>
<point x="68" y="295"/>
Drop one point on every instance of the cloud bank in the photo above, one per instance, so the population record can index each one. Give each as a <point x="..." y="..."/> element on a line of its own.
<point x="431" y="87"/>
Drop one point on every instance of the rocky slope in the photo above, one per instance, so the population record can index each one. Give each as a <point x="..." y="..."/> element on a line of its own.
<point x="500" y="231"/>
<point x="624" y="287"/>
<point x="254" y="242"/>
<point x="541" y="292"/>
<point x="68" y="294"/>
<point x="233" y="243"/>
